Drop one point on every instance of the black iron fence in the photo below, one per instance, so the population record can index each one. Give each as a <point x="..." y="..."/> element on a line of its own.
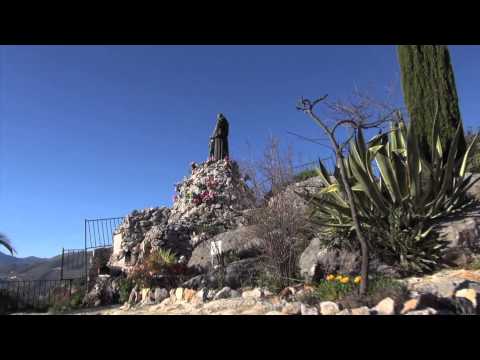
<point x="99" y="232"/>
<point x="74" y="262"/>
<point x="35" y="295"/>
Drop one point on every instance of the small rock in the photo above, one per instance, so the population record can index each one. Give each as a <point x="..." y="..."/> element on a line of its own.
<point x="179" y="294"/>
<point x="160" y="295"/>
<point x="344" y="312"/>
<point x="469" y="294"/>
<point x="409" y="305"/>
<point x="210" y="294"/>
<point x="188" y="294"/>
<point x="361" y="311"/>
<point x="308" y="310"/>
<point x="427" y="311"/>
<point x="293" y="308"/>
<point x="328" y="308"/>
<point x="256" y="293"/>
<point x="201" y="295"/>
<point x="223" y="294"/>
<point x="385" y="307"/>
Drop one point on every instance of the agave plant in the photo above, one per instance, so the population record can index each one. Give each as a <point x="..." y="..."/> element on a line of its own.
<point x="5" y="242"/>
<point x="398" y="193"/>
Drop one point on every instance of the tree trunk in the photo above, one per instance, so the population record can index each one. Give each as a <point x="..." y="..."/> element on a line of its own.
<point x="428" y="82"/>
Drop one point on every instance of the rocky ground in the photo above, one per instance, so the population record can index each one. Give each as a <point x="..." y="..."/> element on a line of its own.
<point x="446" y="292"/>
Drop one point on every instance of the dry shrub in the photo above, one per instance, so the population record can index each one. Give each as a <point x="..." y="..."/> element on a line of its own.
<point x="282" y="229"/>
<point x="272" y="173"/>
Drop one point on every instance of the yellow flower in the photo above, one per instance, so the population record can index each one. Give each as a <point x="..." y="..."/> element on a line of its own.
<point x="339" y="278"/>
<point x="345" y="280"/>
<point x="357" y="280"/>
<point x="330" y="277"/>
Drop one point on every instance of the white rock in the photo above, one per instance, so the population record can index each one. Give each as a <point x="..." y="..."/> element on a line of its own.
<point x="427" y="311"/>
<point x="201" y="295"/>
<point x="256" y="293"/>
<point x="308" y="310"/>
<point x="469" y="294"/>
<point x="361" y="311"/>
<point x="385" y="307"/>
<point x="179" y="294"/>
<point x="293" y="308"/>
<point x="223" y="294"/>
<point x="328" y="308"/>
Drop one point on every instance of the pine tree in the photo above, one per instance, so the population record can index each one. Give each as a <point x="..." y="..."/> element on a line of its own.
<point x="428" y="82"/>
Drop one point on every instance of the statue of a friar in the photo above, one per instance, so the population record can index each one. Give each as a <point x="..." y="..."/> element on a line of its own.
<point x="219" y="140"/>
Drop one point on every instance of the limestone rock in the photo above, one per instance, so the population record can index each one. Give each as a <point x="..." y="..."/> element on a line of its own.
<point x="308" y="260"/>
<point x="179" y="294"/>
<point x="469" y="294"/>
<point x="316" y="262"/>
<point x="328" y="308"/>
<point x="427" y="311"/>
<point x="242" y="241"/>
<point x="201" y="295"/>
<point x="475" y="189"/>
<point x="308" y="310"/>
<point x="461" y="233"/>
<point x="160" y="294"/>
<point x="223" y="293"/>
<point x="293" y="308"/>
<point x="409" y="305"/>
<point x="361" y="311"/>
<point x="189" y="294"/>
<point x="256" y="293"/>
<point x="385" y="307"/>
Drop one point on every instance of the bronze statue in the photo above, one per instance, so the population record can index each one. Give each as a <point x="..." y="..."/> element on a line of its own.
<point x="219" y="140"/>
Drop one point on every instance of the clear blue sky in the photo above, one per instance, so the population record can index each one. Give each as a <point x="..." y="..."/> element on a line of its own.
<point x="97" y="131"/>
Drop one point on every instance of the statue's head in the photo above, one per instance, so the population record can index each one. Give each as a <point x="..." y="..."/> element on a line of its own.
<point x="220" y="116"/>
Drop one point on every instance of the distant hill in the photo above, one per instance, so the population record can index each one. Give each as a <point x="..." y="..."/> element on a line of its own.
<point x="33" y="268"/>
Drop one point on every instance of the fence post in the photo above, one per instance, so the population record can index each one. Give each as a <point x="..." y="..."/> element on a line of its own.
<point x="86" y="259"/>
<point x="61" y="268"/>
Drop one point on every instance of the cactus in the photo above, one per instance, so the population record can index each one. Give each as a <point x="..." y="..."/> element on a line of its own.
<point x="428" y="84"/>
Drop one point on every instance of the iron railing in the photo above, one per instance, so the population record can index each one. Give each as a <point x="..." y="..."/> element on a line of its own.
<point x="16" y="295"/>
<point x="73" y="263"/>
<point x="99" y="232"/>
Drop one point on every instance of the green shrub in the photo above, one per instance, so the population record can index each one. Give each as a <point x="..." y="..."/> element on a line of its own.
<point x="160" y="258"/>
<point x="347" y="293"/>
<point x="125" y="286"/>
<point x="379" y="289"/>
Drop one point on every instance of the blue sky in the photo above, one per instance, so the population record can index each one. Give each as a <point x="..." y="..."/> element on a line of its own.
<point x="97" y="131"/>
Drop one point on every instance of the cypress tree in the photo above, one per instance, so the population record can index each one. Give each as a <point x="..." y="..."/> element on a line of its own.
<point x="428" y="82"/>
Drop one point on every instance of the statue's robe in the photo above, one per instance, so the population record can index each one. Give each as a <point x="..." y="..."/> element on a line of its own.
<point x="219" y="140"/>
